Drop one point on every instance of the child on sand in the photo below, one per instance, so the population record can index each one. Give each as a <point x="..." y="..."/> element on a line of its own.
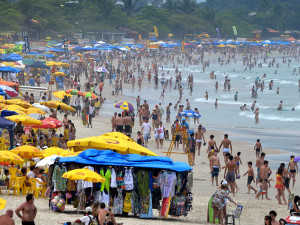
<point x="250" y="173"/>
<point x="238" y="161"/>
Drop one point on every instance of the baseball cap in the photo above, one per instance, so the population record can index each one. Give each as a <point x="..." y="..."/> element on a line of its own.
<point x="88" y="209"/>
<point x="224" y="182"/>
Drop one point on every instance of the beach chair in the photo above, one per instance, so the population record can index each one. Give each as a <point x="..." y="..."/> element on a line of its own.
<point x="234" y="215"/>
<point x="17" y="185"/>
<point x="34" y="189"/>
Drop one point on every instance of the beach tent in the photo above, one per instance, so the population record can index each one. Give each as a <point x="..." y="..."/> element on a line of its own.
<point x="11" y="57"/>
<point x="110" y="158"/>
<point x="9" y="69"/>
<point x="39" y="64"/>
<point x="9" y="125"/>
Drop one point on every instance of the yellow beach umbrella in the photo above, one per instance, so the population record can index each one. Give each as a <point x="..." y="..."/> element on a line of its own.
<point x="10" y="157"/>
<point x="19" y="102"/>
<point x="14" y="108"/>
<point x="85" y="175"/>
<point x="27" y="151"/>
<point x="104" y="142"/>
<point x="25" y="120"/>
<point x="52" y="151"/>
<point x="55" y="104"/>
<point x="60" y="94"/>
<point x="118" y="135"/>
<point x="69" y="153"/>
<point x="35" y="110"/>
<point x="2" y="203"/>
<point x="57" y="74"/>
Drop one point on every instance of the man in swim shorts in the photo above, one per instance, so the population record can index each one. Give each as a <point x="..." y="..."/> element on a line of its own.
<point x="215" y="167"/>
<point x="119" y="123"/>
<point x="293" y="166"/>
<point x="199" y="136"/>
<point x="226" y="145"/>
<point x="259" y="163"/>
<point x="230" y="176"/>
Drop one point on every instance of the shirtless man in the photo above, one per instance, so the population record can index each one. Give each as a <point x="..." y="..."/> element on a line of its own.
<point x="138" y="102"/>
<point x="258" y="148"/>
<point x="212" y="146"/>
<point x="65" y="120"/>
<point x="286" y="177"/>
<point x="146" y="105"/>
<point x="6" y="219"/>
<point x="226" y="145"/>
<point x="113" y="122"/>
<point x="168" y="111"/>
<point x="230" y="174"/>
<point x="215" y="168"/>
<point x="264" y="176"/>
<point x="238" y="161"/>
<point x="176" y="105"/>
<point x="119" y="123"/>
<point x="250" y="173"/>
<point x="273" y="215"/>
<point x="253" y="105"/>
<point x="280" y="106"/>
<point x="105" y="216"/>
<point x="127" y="124"/>
<point x="293" y="166"/>
<point x="199" y="135"/>
<point x="259" y="163"/>
<point x="29" y="211"/>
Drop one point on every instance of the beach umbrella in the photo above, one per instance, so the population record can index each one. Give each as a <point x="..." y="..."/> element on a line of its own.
<point x="57" y="74"/>
<point x="5" y="113"/>
<point x="118" y="135"/>
<point x="35" y="110"/>
<point x="55" y="104"/>
<point x="74" y="92"/>
<point x="69" y="153"/>
<point x="47" y="161"/>
<point x="101" y="70"/>
<point x="190" y="113"/>
<point x="2" y="203"/>
<point x="10" y="157"/>
<point x="8" y="90"/>
<point x="38" y="64"/>
<point x="24" y="119"/>
<point x="19" y="102"/>
<point x="7" y="83"/>
<point x="60" y="94"/>
<point x="85" y="175"/>
<point x="45" y="125"/>
<point x="90" y="95"/>
<point x="35" y="116"/>
<point x="27" y="151"/>
<point x="52" y="151"/>
<point x="103" y="142"/>
<point x="124" y="105"/>
<point x="54" y="121"/>
<point x="14" y="108"/>
<point x="42" y="107"/>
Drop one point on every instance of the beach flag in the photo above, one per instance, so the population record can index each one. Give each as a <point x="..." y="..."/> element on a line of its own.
<point x="155" y="31"/>
<point x="234" y="30"/>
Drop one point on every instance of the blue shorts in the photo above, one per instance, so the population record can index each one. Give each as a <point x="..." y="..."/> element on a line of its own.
<point x="215" y="172"/>
<point x="147" y="136"/>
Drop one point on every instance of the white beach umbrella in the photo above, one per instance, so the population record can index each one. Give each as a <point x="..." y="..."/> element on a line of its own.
<point x="47" y="161"/>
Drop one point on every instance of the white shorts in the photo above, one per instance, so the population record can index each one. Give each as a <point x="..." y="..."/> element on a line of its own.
<point x="199" y="140"/>
<point x="225" y="149"/>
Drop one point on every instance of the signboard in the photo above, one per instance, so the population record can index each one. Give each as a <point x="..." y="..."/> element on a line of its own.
<point x="27" y="45"/>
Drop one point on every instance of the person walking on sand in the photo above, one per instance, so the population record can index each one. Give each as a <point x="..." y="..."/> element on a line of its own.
<point x="113" y="122"/>
<point x="259" y="163"/>
<point x="29" y="211"/>
<point x="199" y="135"/>
<point x="168" y="112"/>
<point x="6" y="219"/>
<point x="293" y="166"/>
<point x="264" y="176"/>
<point x="280" y="186"/>
<point x="230" y="174"/>
<point x="238" y="161"/>
<point x="215" y="168"/>
<point x="258" y="148"/>
<point x="226" y="145"/>
<point x="119" y="123"/>
<point x="146" y="131"/>
<point x="250" y="173"/>
<point x="286" y="177"/>
<point x="211" y="147"/>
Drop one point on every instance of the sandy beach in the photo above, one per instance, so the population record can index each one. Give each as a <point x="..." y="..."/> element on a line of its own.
<point x="253" y="212"/>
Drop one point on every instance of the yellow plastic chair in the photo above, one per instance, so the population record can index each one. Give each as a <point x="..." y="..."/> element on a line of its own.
<point x="17" y="185"/>
<point x="13" y="172"/>
<point x="36" y="190"/>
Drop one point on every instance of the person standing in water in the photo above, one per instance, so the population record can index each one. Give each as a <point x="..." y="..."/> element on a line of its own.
<point x="280" y="106"/>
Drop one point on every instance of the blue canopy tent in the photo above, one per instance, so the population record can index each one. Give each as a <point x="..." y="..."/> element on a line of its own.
<point x="9" y="125"/>
<point x="9" y="69"/>
<point x="11" y="57"/>
<point x="39" y="64"/>
<point x="110" y="158"/>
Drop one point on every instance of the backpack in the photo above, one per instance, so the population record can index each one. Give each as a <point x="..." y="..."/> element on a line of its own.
<point x="93" y="221"/>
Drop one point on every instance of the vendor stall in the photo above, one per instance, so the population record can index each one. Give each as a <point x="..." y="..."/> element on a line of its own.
<point x="133" y="183"/>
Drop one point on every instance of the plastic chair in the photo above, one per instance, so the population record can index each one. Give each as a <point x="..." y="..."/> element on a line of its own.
<point x="35" y="189"/>
<point x="236" y="214"/>
<point x="17" y="185"/>
<point x="13" y="172"/>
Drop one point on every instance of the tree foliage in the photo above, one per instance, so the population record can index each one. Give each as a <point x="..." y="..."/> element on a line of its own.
<point x="179" y="17"/>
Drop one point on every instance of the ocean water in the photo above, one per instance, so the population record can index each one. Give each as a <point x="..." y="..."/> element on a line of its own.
<point x="277" y="129"/>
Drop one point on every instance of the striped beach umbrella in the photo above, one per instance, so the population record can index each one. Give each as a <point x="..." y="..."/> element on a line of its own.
<point x="124" y="105"/>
